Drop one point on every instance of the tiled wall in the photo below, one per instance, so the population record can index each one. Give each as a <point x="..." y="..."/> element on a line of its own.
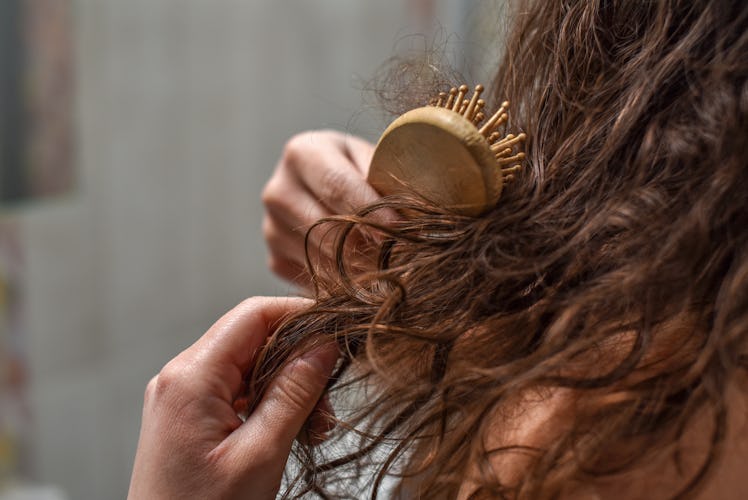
<point x="182" y="109"/>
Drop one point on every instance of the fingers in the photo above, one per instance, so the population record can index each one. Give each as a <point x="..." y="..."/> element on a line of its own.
<point x="286" y="405"/>
<point x="291" y="271"/>
<point x="293" y="220"/>
<point x="359" y="152"/>
<point x="287" y="252"/>
<point x="224" y="354"/>
<point x="339" y="183"/>
<point x="289" y="201"/>
<point x="320" y="174"/>
<point x="332" y="167"/>
<point x="285" y="245"/>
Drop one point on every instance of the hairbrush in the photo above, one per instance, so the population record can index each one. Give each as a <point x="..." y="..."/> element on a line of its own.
<point x="446" y="153"/>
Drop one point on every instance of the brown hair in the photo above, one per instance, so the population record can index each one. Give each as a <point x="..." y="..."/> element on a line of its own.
<point x="612" y="276"/>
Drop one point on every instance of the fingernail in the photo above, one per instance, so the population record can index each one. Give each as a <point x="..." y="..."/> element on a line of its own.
<point x="323" y="358"/>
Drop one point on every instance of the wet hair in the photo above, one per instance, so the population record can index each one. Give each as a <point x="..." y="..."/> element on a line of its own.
<point x="612" y="276"/>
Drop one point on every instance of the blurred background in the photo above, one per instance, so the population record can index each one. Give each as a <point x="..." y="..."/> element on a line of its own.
<point x="135" y="139"/>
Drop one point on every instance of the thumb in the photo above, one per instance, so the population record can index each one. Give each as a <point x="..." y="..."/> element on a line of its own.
<point x="288" y="402"/>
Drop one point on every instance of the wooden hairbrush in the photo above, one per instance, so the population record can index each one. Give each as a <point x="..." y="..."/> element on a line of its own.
<point x="446" y="154"/>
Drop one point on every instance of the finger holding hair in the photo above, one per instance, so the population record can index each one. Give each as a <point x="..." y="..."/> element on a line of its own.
<point x="192" y="443"/>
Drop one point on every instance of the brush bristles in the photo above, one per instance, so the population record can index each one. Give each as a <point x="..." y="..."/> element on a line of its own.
<point x="502" y="145"/>
<point x="456" y="100"/>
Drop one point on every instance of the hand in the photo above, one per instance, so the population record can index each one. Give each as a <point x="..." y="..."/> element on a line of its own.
<point x="193" y="444"/>
<point x="320" y="174"/>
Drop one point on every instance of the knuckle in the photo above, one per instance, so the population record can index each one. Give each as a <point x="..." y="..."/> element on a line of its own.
<point x="278" y="240"/>
<point x="269" y="231"/>
<point x="169" y="381"/>
<point x="151" y="389"/>
<point x="297" y="385"/>
<point x="335" y="186"/>
<point x="295" y="394"/>
<point x="297" y="148"/>
<point x="271" y="193"/>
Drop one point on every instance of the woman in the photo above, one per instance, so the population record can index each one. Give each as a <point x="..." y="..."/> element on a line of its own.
<point x="584" y="339"/>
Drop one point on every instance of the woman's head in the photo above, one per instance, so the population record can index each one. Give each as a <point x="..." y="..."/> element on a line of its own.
<point x="611" y="281"/>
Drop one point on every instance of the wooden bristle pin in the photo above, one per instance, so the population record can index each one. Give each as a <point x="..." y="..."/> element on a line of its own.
<point x="509" y="141"/>
<point x="496" y="120"/>
<point x="510" y="159"/>
<point x="460" y="96"/>
<point x="451" y="99"/>
<point x="503" y="144"/>
<point x="510" y="170"/>
<point x="471" y="109"/>
<point x="503" y="153"/>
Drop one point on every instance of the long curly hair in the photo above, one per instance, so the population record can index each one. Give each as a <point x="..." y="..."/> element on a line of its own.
<point x="579" y="329"/>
